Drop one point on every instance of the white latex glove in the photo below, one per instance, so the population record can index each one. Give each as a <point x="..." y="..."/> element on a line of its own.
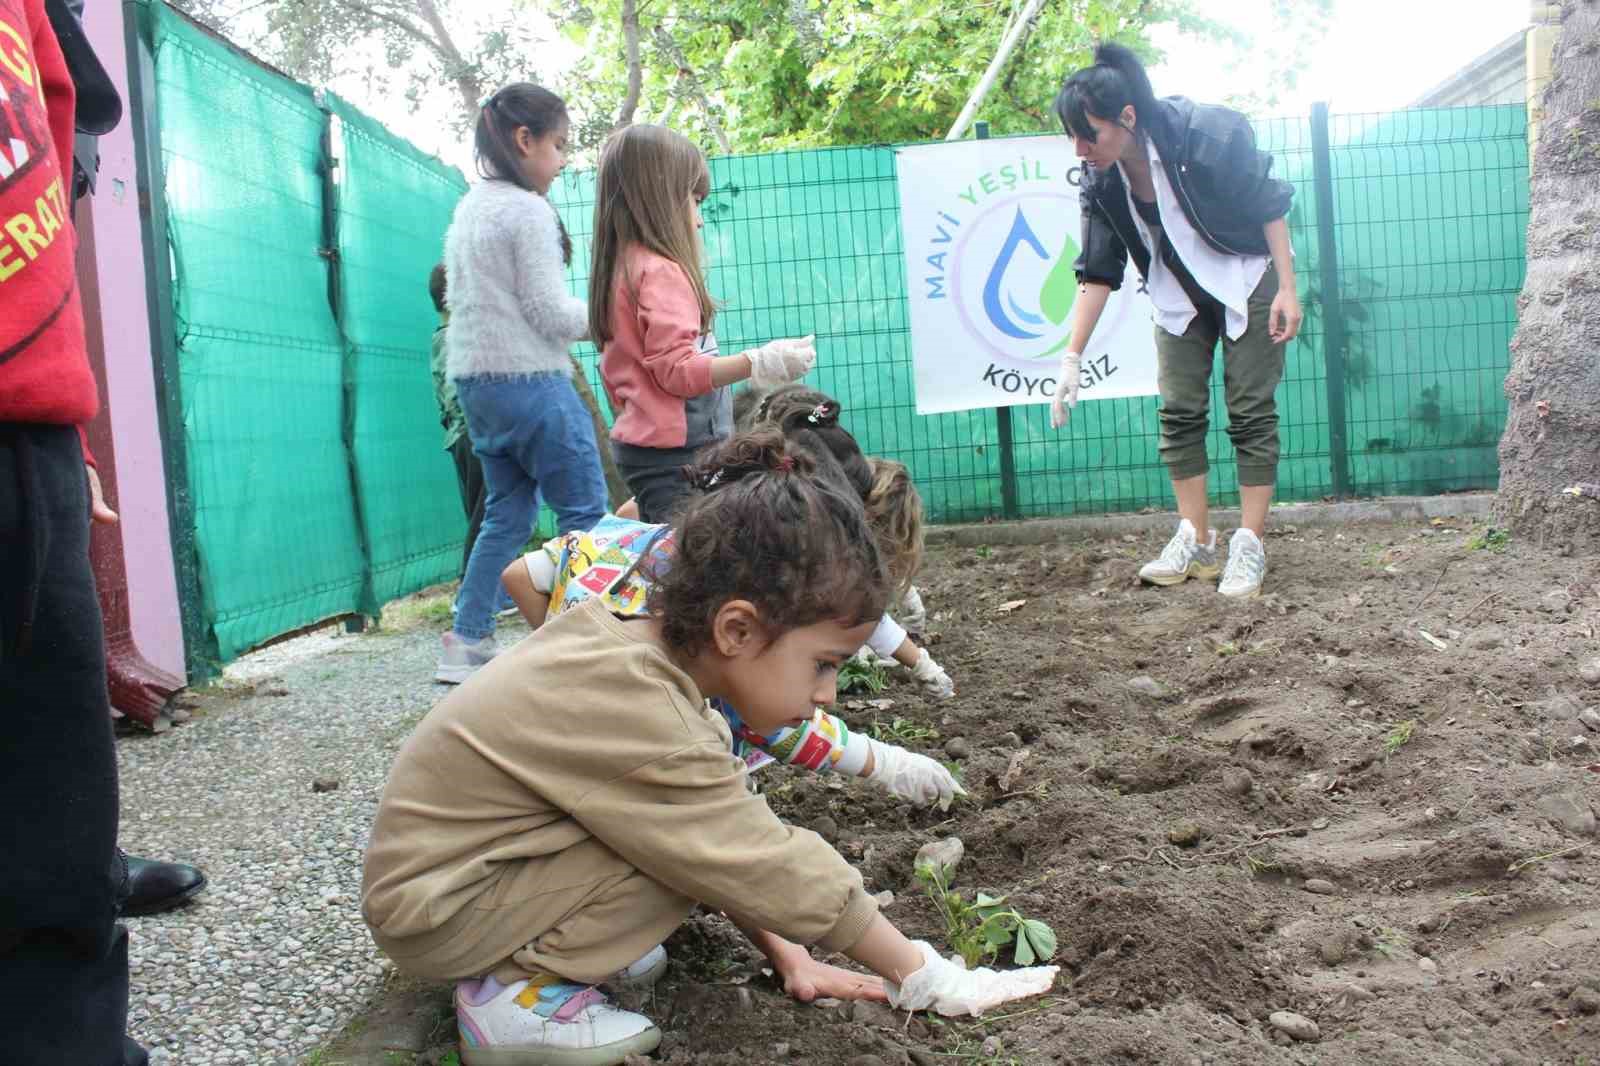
<point x="913" y="777"/>
<point x="782" y="361"/>
<point x="1066" y="390"/>
<point x="931" y="676"/>
<point x="946" y="988"/>
<point x="911" y="613"/>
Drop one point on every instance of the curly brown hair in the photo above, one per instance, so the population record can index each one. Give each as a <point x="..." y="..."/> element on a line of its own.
<point x="774" y="524"/>
<point x="894" y="510"/>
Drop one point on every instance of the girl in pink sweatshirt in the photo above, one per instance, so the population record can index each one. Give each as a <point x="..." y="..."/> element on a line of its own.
<point x="651" y="317"/>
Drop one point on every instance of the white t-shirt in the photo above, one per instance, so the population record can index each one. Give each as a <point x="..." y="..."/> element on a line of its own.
<point x="1229" y="278"/>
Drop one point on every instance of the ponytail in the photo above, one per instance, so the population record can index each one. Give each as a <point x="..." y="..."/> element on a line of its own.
<point x="1116" y="80"/>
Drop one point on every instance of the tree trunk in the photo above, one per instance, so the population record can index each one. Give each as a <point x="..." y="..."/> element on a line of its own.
<point x="1552" y="436"/>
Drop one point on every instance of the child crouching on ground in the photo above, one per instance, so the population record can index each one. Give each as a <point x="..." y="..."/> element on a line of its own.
<point x="894" y="510"/>
<point x="611" y="562"/>
<point x="554" y="819"/>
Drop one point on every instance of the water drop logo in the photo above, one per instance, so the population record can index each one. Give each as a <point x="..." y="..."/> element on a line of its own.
<point x="1012" y="276"/>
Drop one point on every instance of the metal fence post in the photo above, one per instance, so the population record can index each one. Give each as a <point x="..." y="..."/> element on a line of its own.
<point x="1334" y="336"/>
<point x="332" y="130"/>
<point x="1002" y="418"/>
<point x="203" y="661"/>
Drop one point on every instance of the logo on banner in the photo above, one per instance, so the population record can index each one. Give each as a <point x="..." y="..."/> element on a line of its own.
<point x="1011" y="276"/>
<point x="992" y="234"/>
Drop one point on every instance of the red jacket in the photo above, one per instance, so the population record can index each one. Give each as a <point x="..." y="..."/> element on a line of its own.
<point x="44" y="366"/>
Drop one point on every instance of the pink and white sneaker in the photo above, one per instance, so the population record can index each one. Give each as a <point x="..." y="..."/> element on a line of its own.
<point x="546" y="1022"/>
<point x="461" y="657"/>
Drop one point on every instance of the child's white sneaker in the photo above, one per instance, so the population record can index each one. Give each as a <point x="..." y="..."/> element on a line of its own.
<point x="462" y="657"/>
<point x="642" y="974"/>
<point x="546" y="1022"/>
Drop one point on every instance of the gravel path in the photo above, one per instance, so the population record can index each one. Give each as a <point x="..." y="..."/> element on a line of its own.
<point x="273" y="957"/>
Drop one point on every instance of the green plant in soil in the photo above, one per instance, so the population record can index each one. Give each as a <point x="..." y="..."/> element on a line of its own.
<point x="978" y="930"/>
<point x="902" y="731"/>
<point x="860" y="676"/>
<point x="1399" y="737"/>
<point x="1491" y="539"/>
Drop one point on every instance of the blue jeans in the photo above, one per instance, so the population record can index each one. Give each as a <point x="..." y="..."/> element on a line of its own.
<point x="532" y="435"/>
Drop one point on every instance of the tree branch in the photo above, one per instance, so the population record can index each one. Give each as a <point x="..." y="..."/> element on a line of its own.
<point x="401" y="24"/>
<point x="630" y="39"/>
<point x="458" y="70"/>
<point x="686" y="75"/>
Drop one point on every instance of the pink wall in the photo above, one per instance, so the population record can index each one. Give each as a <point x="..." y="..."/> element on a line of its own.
<point x="130" y="377"/>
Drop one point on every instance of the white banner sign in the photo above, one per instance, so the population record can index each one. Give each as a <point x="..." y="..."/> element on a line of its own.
<point x="991" y="231"/>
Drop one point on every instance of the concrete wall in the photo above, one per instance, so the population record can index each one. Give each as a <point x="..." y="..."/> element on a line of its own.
<point x="130" y="381"/>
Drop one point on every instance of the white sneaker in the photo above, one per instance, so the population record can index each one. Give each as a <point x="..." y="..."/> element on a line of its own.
<point x="547" y="1023"/>
<point x="462" y="657"/>
<point x="1183" y="557"/>
<point x="1247" y="566"/>
<point x="642" y="974"/>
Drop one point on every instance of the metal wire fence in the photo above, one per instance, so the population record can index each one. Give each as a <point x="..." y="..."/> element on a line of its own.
<point x="290" y="237"/>
<point x="1428" y="210"/>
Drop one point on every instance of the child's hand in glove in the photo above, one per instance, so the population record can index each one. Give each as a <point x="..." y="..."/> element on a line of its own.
<point x="910" y="612"/>
<point x="931" y="676"/>
<point x="782" y="361"/>
<point x="945" y="988"/>
<point x="911" y="776"/>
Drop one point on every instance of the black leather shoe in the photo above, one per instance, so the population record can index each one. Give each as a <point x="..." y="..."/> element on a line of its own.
<point x="154" y="887"/>
<point x="133" y="1054"/>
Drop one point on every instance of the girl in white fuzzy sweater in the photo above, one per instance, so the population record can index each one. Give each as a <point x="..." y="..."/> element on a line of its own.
<point x="511" y="323"/>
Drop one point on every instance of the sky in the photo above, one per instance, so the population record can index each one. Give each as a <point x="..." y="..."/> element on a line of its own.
<point x="1378" y="55"/>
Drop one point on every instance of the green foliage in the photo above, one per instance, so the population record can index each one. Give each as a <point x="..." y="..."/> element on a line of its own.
<point x="861" y="676"/>
<point x="978" y="930"/>
<point x="762" y="75"/>
<point x="748" y="75"/>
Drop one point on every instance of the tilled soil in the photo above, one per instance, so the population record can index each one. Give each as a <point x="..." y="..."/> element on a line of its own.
<point x="1398" y="718"/>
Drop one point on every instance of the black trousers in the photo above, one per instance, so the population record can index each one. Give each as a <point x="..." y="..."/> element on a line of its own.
<point x="63" y="956"/>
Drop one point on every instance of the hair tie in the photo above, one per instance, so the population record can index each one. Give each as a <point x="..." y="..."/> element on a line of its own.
<point x="785" y="464"/>
<point x="818" y="413"/>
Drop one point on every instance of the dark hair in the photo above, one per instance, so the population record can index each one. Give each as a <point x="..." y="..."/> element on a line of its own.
<point x="1116" y="80"/>
<point x="494" y="141"/>
<point x="811" y="419"/>
<point x="436" y="287"/>
<point x="774" y="524"/>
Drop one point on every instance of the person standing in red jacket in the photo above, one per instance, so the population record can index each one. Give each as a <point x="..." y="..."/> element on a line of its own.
<point x="63" y="956"/>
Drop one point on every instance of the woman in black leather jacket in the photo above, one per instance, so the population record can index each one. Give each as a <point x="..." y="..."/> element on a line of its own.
<point x="1182" y="188"/>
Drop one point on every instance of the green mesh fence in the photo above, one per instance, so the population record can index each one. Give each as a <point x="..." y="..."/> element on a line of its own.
<point x="1430" y="210"/>
<point x="260" y="357"/>
<point x="394" y="205"/>
<point x="315" y="474"/>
